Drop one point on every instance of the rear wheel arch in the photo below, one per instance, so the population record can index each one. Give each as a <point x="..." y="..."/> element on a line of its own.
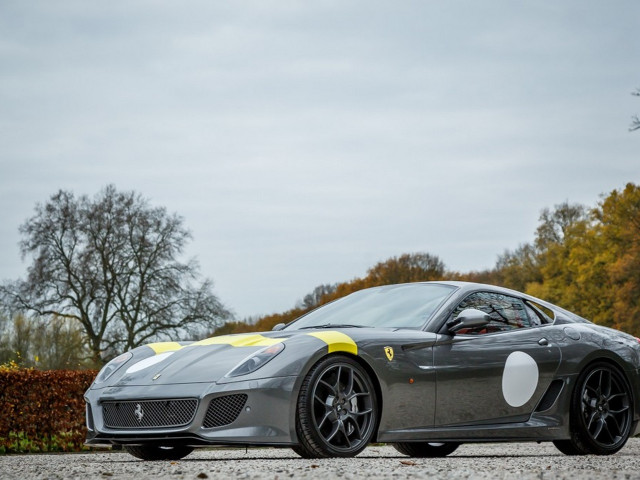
<point x="615" y="362"/>
<point x="584" y="402"/>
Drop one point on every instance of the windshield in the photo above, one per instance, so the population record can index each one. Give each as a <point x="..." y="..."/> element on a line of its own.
<point x="392" y="306"/>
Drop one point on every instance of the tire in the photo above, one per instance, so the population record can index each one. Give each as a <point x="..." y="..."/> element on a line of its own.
<point x="337" y="409"/>
<point x="601" y="412"/>
<point x="158" y="452"/>
<point x="426" y="449"/>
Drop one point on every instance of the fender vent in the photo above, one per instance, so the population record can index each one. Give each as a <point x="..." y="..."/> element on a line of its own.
<point x="224" y="410"/>
<point x="550" y="396"/>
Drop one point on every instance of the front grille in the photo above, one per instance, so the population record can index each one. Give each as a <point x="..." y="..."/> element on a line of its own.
<point x="224" y="410"/>
<point x="149" y="413"/>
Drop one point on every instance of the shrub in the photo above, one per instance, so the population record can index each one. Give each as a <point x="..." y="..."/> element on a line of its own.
<point x="42" y="411"/>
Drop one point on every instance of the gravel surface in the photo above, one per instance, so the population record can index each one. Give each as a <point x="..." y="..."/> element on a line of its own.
<point x="522" y="461"/>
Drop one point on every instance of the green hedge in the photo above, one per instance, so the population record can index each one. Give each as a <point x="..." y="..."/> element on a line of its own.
<point x="42" y="410"/>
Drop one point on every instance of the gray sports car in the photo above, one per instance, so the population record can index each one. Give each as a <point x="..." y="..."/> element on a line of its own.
<point x="425" y="366"/>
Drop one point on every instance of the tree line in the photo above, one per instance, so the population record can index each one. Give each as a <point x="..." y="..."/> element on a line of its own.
<point x="586" y="260"/>
<point x="105" y="275"/>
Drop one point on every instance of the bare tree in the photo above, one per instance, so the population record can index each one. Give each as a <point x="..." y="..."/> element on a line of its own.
<point x="635" y="121"/>
<point x="111" y="263"/>
<point x="315" y="298"/>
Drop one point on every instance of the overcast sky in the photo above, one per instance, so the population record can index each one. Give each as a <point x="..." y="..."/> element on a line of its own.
<point x="305" y="141"/>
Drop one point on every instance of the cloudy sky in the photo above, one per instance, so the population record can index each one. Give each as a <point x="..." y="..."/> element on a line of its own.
<point x="303" y="142"/>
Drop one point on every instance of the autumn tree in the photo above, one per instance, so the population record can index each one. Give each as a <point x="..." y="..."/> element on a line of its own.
<point x="111" y="263"/>
<point x="560" y="230"/>
<point x="409" y="267"/>
<point x="618" y="237"/>
<point x="590" y="260"/>
<point x="518" y="268"/>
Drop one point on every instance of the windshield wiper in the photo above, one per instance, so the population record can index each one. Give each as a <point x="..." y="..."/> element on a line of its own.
<point x="333" y="325"/>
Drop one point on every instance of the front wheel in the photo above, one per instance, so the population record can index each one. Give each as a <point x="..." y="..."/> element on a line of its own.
<point x="601" y="413"/>
<point x="337" y="409"/>
<point x="157" y="452"/>
<point x="426" y="449"/>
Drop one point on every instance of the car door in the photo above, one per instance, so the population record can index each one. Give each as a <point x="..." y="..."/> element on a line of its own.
<point x="496" y="373"/>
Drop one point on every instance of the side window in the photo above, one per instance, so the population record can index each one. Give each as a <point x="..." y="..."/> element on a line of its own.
<point x="545" y="314"/>
<point x="507" y="313"/>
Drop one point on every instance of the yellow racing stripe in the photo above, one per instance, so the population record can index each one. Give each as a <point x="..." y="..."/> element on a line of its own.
<point x="161" y="347"/>
<point x="337" y="341"/>
<point x="248" y="340"/>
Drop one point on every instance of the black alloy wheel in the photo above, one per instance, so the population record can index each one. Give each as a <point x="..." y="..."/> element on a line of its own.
<point x="157" y="452"/>
<point x="426" y="449"/>
<point x="601" y="413"/>
<point x="337" y="409"/>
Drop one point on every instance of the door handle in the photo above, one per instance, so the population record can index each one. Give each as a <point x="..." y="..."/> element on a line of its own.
<point x="543" y="341"/>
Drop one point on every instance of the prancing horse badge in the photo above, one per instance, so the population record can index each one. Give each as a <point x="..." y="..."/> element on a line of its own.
<point x="389" y="352"/>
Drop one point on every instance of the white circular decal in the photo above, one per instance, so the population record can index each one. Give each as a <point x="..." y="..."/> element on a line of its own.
<point x="519" y="379"/>
<point x="147" y="362"/>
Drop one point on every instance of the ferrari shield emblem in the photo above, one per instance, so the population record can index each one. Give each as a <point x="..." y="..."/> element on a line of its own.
<point x="389" y="352"/>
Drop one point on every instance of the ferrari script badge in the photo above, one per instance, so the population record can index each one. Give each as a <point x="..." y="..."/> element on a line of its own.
<point x="138" y="412"/>
<point x="389" y="352"/>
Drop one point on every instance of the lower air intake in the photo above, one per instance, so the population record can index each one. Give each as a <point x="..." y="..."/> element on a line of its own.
<point x="224" y="410"/>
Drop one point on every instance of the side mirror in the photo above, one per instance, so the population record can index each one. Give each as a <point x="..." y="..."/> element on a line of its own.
<point x="469" y="318"/>
<point x="279" y="326"/>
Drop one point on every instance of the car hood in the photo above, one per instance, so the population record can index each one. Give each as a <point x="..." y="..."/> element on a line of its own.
<point x="210" y="360"/>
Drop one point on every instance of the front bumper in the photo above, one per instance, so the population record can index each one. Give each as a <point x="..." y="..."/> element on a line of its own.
<point x="267" y="417"/>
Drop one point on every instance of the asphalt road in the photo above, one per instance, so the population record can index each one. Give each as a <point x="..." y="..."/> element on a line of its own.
<point x="522" y="461"/>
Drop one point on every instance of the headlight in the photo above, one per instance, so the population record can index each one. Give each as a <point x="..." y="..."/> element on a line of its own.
<point x="111" y="367"/>
<point x="256" y="360"/>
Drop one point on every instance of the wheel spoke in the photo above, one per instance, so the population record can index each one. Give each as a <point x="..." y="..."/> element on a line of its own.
<point x="605" y="383"/>
<point x="336" y="387"/>
<point x="594" y="391"/>
<point x="349" y="388"/>
<point x="330" y="387"/>
<point x="617" y="425"/>
<point x="363" y="412"/>
<point x="591" y="419"/>
<point x="616" y="395"/>
<point x="356" y="427"/>
<point x="355" y="395"/>
<point x="334" y="431"/>
<point x="598" y="429"/>
<point x="620" y="410"/>
<point x="324" y="419"/>
<point x="605" y="428"/>
<point x="343" y="430"/>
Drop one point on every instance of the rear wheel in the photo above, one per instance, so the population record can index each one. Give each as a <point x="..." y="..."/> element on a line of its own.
<point x="426" y="449"/>
<point x="337" y="409"/>
<point x="601" y="413"/>
<point x="157" y="452"/>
